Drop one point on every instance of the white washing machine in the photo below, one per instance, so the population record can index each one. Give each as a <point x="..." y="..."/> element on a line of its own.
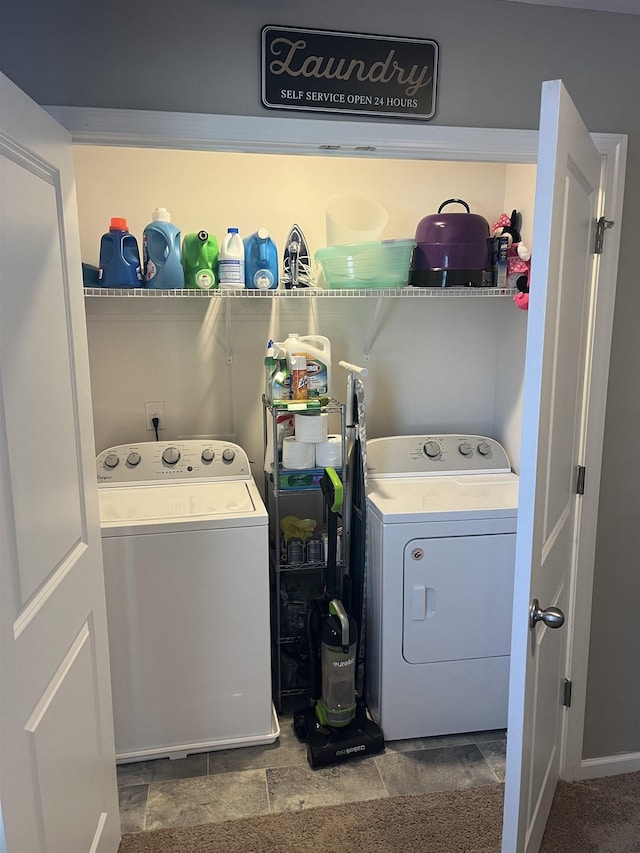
<point x="441" y="520"/>
<point x="185" y="546"/>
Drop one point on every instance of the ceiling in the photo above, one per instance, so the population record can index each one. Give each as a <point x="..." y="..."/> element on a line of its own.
<point x="630" y="7"/>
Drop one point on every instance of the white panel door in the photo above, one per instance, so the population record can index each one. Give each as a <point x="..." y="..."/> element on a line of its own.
<point x="557" y="379"/>
<point x="58" y="786"/>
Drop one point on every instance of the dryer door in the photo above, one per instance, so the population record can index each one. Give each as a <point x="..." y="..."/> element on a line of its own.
<point x="458" y="595"/>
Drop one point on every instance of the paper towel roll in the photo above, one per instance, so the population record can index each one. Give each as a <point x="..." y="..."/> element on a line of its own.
<point x="329" y="452"/>
<point x="312" y="427"/>
<point x="298" y="454"/>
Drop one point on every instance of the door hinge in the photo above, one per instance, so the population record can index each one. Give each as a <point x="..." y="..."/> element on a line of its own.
<point x="601" y="226"/>
<point x="566" y="694"/>
<point x="580" y="478"/>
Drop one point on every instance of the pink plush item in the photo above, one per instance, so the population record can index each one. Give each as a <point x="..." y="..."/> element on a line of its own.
<point x="522" y="300"/>
<point x="515" y="264"/>
<point x="518" y="257"/>
<point x="503" y="222"/>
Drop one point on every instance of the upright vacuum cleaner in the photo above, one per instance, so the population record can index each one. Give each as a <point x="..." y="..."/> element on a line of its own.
<point x="335" y="724"/>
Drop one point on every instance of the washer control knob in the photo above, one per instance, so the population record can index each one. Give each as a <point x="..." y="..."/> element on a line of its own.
<point x="208" y="454"/>
<point x="431" y="449"/>
<point x="170" y="455"/>
<point x="111" y="460"/>
<point x="228" y="454"/>
<point x="484" y="448"/>
<point x="465" y="448"/>
<point x="133" y="458"/>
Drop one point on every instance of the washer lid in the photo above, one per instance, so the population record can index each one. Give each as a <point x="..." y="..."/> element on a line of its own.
<point x="187" y="506"/>
<point x="418" y="499"/>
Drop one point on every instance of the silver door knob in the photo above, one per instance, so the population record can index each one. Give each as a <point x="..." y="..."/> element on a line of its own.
<point x="552" y="617"/>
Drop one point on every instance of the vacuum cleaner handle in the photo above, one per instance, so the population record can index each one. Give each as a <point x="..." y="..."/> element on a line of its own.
<point x="332" y="490"/>
<point x="337" y="608"/>
<point x="331" y="486"/>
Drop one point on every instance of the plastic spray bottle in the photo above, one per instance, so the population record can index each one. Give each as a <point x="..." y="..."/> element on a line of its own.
<point x="270" y="366"/>
<point x="281" y="376"/>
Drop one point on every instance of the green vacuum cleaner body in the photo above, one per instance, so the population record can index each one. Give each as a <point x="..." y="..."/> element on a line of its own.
<point x="337" y="704"/>
<point x="336" y="724"/>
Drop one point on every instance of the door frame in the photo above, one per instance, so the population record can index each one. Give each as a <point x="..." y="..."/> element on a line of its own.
<point x="376" y="140"/>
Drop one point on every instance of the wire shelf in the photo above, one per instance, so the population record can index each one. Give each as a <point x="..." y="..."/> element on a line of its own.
<point x="304" y="293"/>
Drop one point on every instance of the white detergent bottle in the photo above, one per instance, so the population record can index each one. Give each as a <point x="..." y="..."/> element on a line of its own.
<point x="317" y="351"/>
<point x="231" y="261"/>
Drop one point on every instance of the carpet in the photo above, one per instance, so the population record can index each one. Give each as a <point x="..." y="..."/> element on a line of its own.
<point x="592" y="816"/>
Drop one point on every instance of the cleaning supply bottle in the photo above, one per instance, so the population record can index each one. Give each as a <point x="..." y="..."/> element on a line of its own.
<point x="231" y="261"/>
<point x="281" y="376"/>
<point x="200" y="260"/>
<point x="270" y="367"/>
<point x="298" y="376"/>
<point x="260" y="261"/>
<point x="161" y="251"/>
<point x="119" y="257"/>
<point x="317" y="351"/>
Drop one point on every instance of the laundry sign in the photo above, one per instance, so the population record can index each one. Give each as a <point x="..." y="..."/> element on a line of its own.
<point x="348" y="73"/>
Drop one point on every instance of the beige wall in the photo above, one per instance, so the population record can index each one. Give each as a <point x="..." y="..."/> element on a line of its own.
<point x="435" y="364"/>
<point x="214" y="190"/>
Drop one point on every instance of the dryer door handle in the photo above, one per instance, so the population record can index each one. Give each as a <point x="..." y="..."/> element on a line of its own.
<point x="423" y="602"/>
<point x="418" y="602"/>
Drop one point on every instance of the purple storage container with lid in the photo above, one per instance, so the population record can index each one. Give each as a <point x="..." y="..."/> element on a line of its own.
<point x="452" y="250"/>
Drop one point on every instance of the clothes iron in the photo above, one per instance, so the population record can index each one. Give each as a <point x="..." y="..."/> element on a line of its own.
<point x="296" y="261"/>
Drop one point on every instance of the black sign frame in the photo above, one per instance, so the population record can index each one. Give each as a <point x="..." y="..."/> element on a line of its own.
<point x="352" y="73"/>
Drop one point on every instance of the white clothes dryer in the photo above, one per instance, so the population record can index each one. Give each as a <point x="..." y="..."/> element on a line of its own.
<point x="185" y="548"/>
<point x="441" y="521"/>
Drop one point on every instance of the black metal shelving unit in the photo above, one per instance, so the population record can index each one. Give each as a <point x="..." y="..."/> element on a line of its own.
<point x="293" y="584"/>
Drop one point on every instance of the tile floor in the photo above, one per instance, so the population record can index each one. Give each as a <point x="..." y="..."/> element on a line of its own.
<point x="237" y="783"/>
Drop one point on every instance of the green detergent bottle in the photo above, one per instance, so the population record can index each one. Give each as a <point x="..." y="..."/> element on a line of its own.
<point x="200" y="260"/>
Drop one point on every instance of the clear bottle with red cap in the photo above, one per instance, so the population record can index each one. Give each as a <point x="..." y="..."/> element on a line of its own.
<point x="119" y="257"/>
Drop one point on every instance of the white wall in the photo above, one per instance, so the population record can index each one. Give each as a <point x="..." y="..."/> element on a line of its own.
<point x="436" y="364"/>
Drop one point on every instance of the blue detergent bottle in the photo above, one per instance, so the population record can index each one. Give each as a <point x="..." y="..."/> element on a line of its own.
<point x="161" y="252"/>
<point x="119" y="257"/>
<point x="260" y="261"/>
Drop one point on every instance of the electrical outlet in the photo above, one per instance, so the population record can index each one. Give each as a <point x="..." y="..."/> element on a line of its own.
<point x="154" y="410"/>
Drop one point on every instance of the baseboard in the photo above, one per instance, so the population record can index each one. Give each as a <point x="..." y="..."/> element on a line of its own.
<point x="609" y="765"/>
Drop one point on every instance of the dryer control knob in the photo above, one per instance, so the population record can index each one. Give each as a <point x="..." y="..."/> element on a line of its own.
<point x="208" y="454"/>
<point x="431" y="449"/>
<point x="228" y="454"/>
<point x="170" y="455"/>
<point x="465" y="448"/>
<point x="484" y="448"/>
<point x="111" y="460"/>
<point x="133" y="459"/>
